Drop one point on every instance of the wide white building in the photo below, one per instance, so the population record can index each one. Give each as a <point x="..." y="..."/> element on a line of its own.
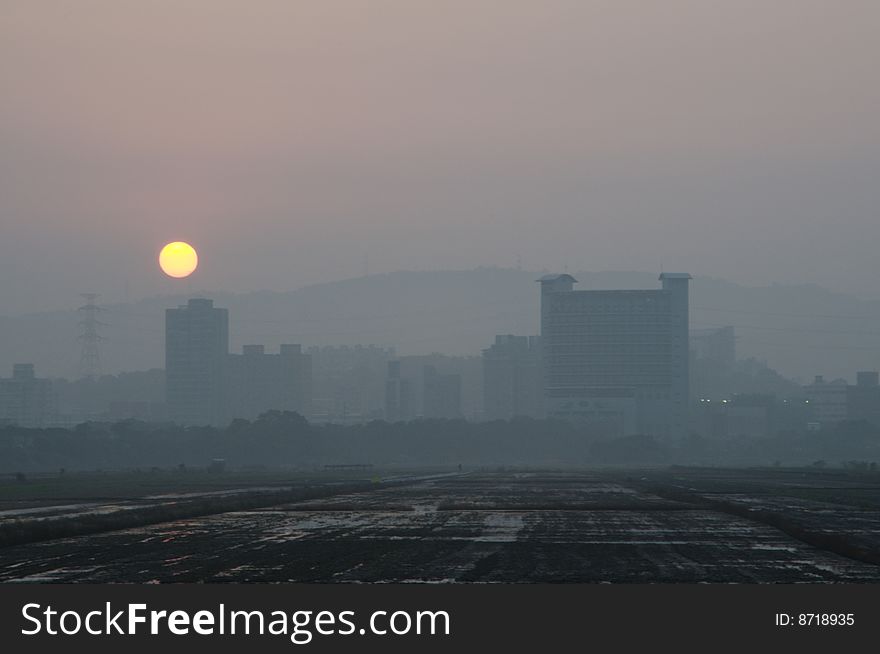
<point x="617" y="359"/>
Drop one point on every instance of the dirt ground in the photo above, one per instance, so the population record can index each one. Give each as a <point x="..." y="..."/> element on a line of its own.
<point x="663" y="526"/>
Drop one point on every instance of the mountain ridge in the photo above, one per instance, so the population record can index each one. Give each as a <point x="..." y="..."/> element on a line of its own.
<point x="800" y="330"/>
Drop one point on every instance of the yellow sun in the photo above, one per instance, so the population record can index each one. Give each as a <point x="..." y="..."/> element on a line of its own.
<point x="178" y="259"/>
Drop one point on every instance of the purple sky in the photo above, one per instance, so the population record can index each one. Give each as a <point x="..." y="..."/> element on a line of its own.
<point x="290" y="140"/>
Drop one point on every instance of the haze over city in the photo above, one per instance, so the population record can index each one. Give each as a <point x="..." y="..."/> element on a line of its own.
<point x="398" y="291"/>
<point x="301" y="142"/>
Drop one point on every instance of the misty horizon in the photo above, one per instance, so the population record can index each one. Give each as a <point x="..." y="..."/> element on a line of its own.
<point x="298" y="144"/>
<point x="181" y="289"/>
<point x="800" y="330"/>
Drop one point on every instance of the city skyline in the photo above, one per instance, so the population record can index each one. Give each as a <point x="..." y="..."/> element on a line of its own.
<point x="615" y="362"/>
<point x="557" y="294"/>
<point x="326" y="138"/>
<point x="800" y="330"/>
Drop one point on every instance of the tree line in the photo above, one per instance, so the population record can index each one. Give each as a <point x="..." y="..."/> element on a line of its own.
<point x="287" y="439"/>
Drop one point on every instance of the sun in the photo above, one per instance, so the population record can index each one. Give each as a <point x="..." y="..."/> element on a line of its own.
<point x="178" y="259"/>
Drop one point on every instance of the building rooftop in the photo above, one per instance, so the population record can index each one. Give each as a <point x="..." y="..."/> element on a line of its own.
<point x="674" y="276"/>
<point x="555" y="277"/>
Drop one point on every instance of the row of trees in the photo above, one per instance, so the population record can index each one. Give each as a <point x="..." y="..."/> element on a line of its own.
<point x="287" y="439"/>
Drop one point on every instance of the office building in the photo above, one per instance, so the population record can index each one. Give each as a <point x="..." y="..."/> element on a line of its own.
<point x="617" y="360"/>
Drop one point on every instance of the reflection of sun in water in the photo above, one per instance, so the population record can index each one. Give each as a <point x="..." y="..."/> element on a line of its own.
<point x="178" y="259"/>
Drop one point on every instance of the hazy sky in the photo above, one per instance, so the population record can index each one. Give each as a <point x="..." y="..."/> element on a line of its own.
<point x="289" y="139"/>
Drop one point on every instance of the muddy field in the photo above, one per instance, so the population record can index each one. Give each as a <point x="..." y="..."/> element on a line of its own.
<point x="589" y="526"/>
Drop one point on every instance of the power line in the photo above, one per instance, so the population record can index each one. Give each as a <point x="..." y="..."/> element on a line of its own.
<point x="90" y="357"/>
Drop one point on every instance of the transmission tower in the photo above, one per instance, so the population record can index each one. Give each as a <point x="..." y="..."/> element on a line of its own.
<point x="90" y="358"/>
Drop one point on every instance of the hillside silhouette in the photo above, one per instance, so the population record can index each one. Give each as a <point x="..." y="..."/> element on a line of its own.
<point x="799" y="330"/>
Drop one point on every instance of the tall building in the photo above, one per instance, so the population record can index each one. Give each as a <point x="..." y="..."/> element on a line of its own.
<point x="25" y="400"/>
<point x="513" y="381"/>
<point x="196" y="353"/>
<point x="257" y="382"/>
<point x="617" y="359"/>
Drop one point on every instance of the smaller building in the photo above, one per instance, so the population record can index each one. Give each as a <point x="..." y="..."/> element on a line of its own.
<point x="349" y="382"/>
<point x="750" y="415"/>
<point x="258" y="381"/>
<point x="513" y="382"/>
<point x="25" y="400"/>
<point x="828" y="401"/>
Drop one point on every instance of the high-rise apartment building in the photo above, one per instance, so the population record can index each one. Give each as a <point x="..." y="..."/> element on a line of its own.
<point x="196" y="353"/>
<point x="617" y="359"/>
